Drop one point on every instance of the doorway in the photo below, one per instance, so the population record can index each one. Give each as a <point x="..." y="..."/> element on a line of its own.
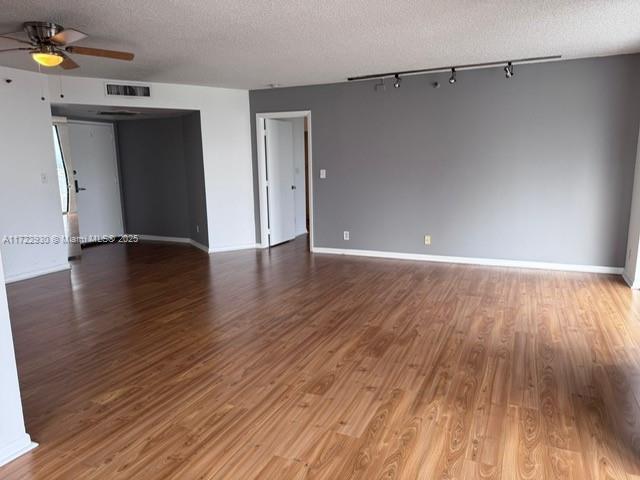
<point x="88" y="180"/>
<point x="95" y="163"/>
<point x="285" y="176"/>
<point x="138" y="173"/>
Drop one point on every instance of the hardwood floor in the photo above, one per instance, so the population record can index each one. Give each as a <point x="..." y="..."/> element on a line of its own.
<point x="157" y="361"/>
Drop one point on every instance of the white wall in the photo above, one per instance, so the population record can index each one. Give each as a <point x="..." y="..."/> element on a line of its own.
<point x="27" y="205"/>
<point x="631" y="272"/>
<point x="30" y="207"/>
<point x="13" y="438"/>
<point x="226" y="146"/>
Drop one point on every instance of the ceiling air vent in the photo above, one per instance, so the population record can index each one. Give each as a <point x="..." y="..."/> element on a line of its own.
<point x="118" y="113"/>
<point x="120" y="90"/>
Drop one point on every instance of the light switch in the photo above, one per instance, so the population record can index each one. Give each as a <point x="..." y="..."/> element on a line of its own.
<point x="323" y="173"/>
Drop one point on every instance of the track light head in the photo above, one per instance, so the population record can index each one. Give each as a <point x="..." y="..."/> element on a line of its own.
<point x="397" y="82"/>
<point x="508" y="70"/>
<point x="452" y="78"/>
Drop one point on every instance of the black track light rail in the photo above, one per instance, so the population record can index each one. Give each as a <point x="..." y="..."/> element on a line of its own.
<point x="457" y="67"/>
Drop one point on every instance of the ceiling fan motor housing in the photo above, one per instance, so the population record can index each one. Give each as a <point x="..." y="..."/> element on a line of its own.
<point x="41" y="32"/>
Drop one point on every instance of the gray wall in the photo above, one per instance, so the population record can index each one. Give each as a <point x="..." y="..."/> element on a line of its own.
<point x="162" y="177"/>
<point x="539" y="167"/>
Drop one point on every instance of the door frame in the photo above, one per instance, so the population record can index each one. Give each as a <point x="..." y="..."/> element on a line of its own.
<point x="262" y="180"/>
<point x="70" y="217"/>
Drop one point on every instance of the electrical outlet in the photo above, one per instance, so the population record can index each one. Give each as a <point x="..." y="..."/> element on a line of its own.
<point x="198" y="228"/>
<point x="323" y="173"/>
<point x="43" y="178"/>
<point x="427" y="239"/>
<point x="346" y="234"/>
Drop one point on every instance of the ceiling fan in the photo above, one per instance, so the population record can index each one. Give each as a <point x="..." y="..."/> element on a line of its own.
<point x="49" y="44"/>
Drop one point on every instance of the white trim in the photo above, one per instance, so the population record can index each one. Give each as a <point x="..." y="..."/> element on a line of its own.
<point x="15" y="449"/>
<point x="37" y="273"/>
<point x="199" y="245"/>
<point x="182" y="240"/>
<point x="232" y="248"/>
<point x="262" y="191"/>
<point x="289" y="114"/>
<point x="470" y="260"/>
<point x="632" y="285"/>
<point x="91" y="122"/>
<point x="161" y="238"/>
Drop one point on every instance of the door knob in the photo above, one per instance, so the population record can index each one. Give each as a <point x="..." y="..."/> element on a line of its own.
<point x="293" y="187"/>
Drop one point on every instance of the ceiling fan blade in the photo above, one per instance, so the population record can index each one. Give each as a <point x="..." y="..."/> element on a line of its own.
<point x="99" y="52"/>
<point x="67" y="36"/>
<point x="13" y="49"/>
<point x="19" y="35"/>
<point x="68" y="63"/>
<point x="9" y="37"/>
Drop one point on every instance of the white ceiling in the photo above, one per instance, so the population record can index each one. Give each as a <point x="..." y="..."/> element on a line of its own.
<point x="251" y="44"/>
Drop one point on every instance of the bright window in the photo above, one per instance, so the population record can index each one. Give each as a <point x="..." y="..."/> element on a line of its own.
<point x="62" y="171"/>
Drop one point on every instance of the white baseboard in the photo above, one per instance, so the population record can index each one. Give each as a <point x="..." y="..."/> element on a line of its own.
<point x="227" y="248"/>
<point x="160" y="238"/>
<point x="631" y="283"/>
<point x="36" y="273"/>
<point x="470" y="260"/>
<point x="15" y="449"/>
<point x="231" y="248"/>
<point x="199" y="245"/>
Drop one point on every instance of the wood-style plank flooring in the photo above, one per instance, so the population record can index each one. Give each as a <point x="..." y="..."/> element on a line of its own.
<point x="158" y="361"/>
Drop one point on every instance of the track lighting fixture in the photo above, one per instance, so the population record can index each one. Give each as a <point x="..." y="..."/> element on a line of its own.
<point x="452" y="78"/>
<point x="508" y="70"/>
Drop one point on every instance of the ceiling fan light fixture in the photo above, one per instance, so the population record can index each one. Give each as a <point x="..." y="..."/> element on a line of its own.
<point x="47" y="57"/>
<point x="48" y="44"/>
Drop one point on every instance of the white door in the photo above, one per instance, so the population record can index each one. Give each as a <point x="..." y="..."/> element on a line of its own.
<point x="94" y="160"/>
<point x="280" y="181"/>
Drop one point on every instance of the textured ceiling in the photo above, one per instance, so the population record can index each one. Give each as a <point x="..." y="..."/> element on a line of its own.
<point x="251" y="44"/>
